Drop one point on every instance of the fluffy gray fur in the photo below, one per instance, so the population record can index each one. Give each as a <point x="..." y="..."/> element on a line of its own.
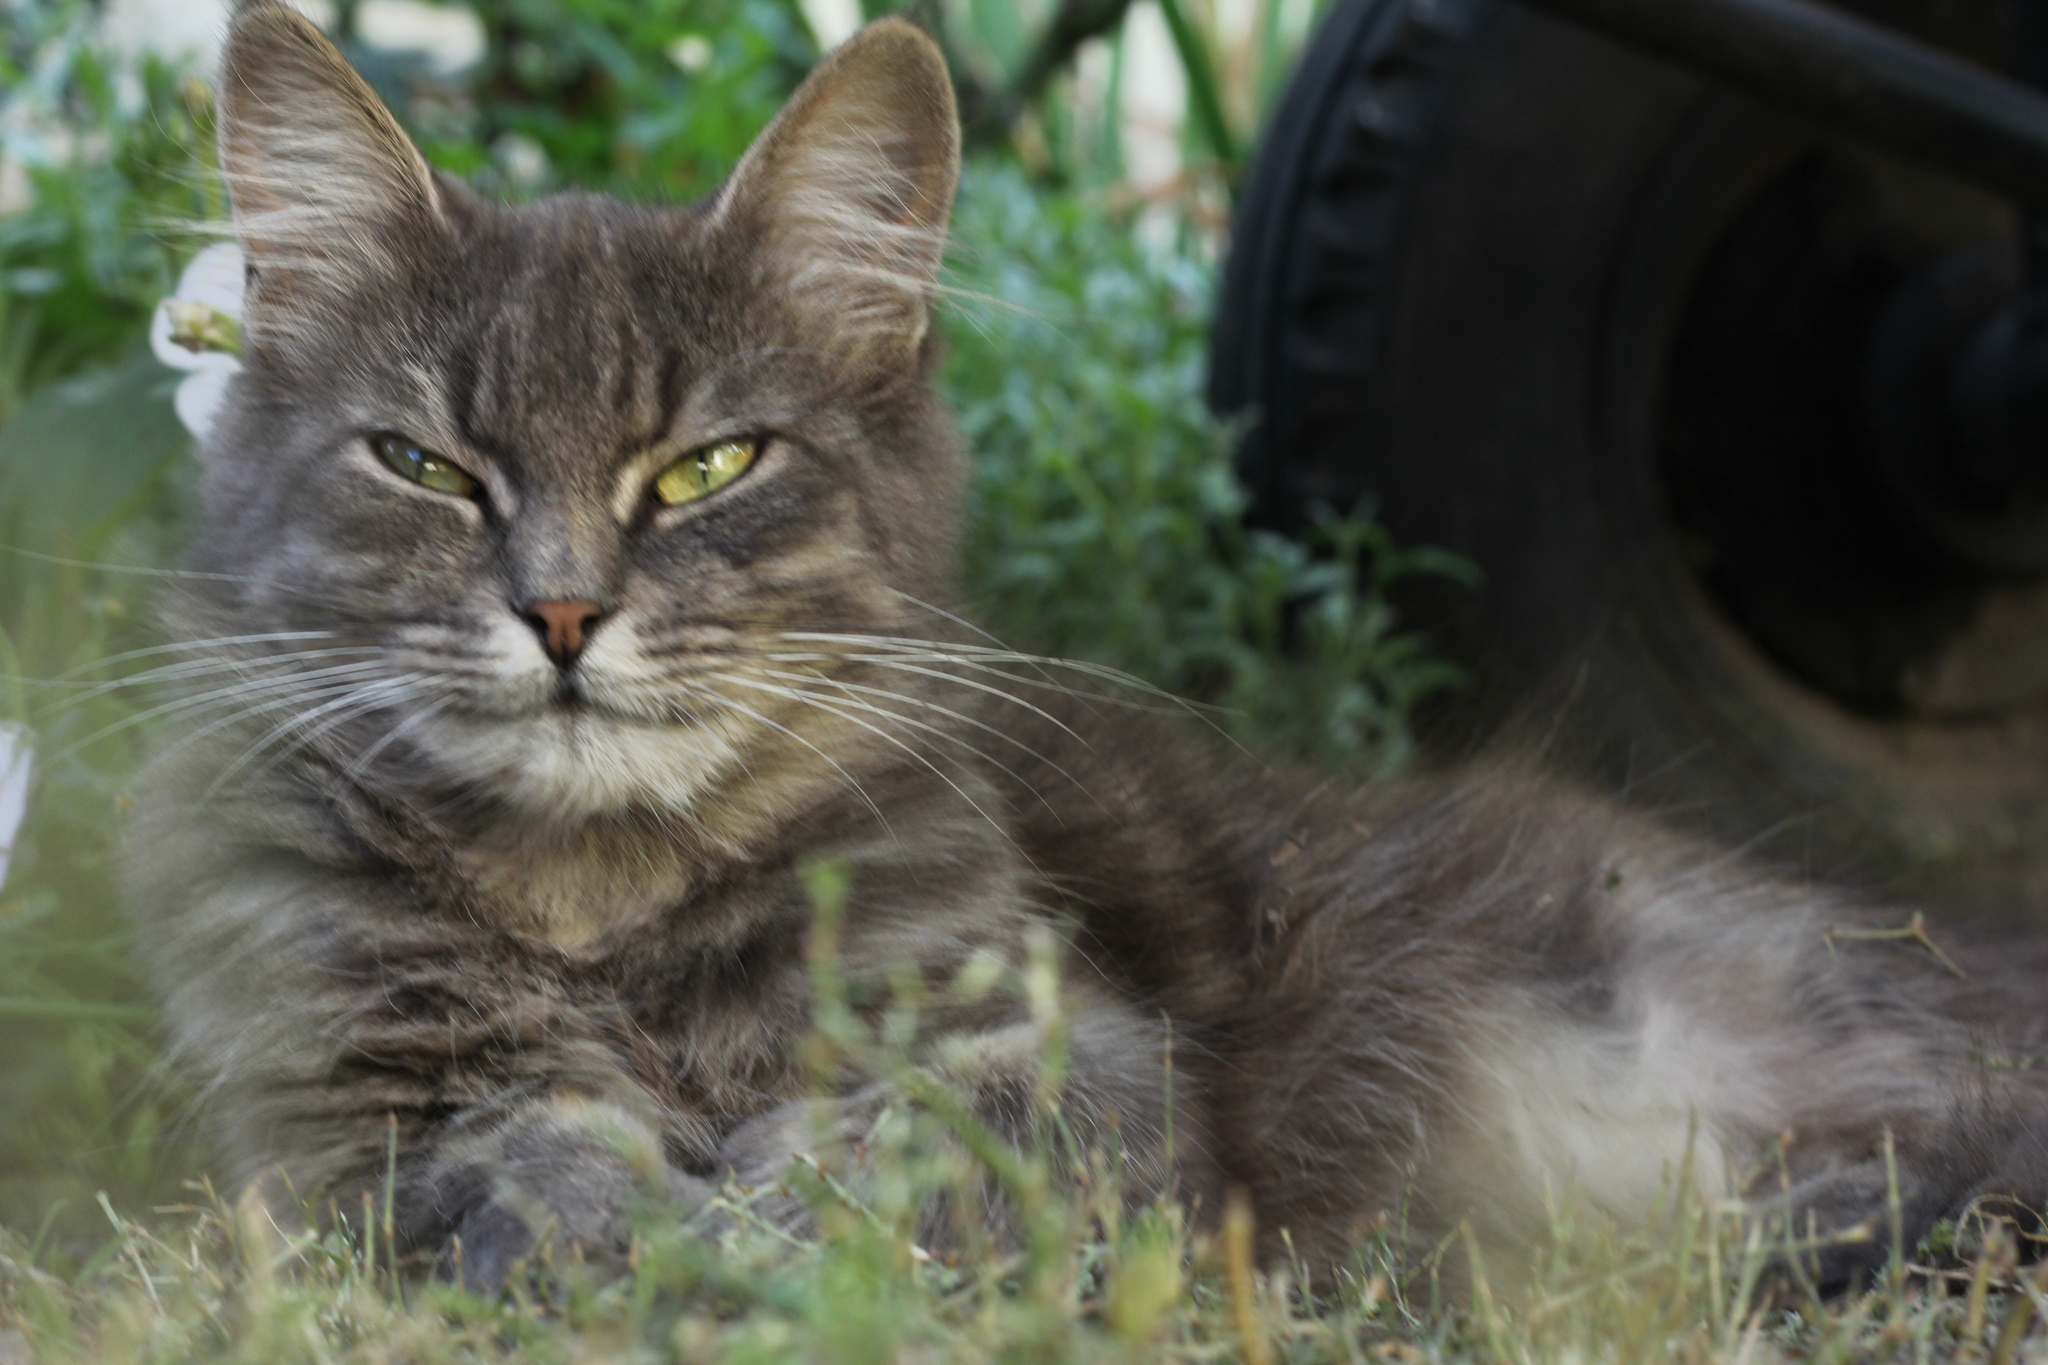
<point x="550" y="916"/>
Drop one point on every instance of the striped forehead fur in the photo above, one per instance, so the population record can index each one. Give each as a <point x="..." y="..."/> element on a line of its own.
<point x="841" y="205"/>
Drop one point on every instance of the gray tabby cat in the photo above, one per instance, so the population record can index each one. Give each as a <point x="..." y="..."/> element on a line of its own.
<point x="565" y="573"/>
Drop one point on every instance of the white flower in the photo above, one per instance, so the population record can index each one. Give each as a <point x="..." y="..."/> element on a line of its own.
<point x="16" y="761"/>
<point x="450" y="38"/>
<point x="692" y="52"/>
<point x="199" y="328"/>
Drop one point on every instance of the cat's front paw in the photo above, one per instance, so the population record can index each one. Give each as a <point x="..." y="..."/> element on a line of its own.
<point x="516" y="1235"/>
<point x="490" y="1244"/>
<point x="760" y="1153"/>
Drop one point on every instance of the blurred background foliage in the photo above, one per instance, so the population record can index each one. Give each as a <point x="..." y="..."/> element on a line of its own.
<point x="1106" y="523"/>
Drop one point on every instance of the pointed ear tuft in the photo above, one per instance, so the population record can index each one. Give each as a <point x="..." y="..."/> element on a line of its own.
<point x="318" y="168"/>
<point x="846" y="195"/>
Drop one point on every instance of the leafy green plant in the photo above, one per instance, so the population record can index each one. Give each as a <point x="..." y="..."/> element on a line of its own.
<point x="1106" y="521"/>
<point x="649" y="98"/>
<point x="122" y="155"/>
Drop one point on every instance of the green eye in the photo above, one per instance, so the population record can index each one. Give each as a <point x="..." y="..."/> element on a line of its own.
<point x="704" y="471"/>
<point x="423" y="467"/>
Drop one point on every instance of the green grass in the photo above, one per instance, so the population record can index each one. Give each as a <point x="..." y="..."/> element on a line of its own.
<point x="1106" y="522"/>
<point x="1084" y="1280"/>
<point x="1079" y="1277"/>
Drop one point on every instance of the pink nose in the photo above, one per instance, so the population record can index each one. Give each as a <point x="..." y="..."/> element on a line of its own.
<point x="562" y="625"/>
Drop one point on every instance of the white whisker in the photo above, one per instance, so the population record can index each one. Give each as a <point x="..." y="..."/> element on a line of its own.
<point x="810" y="699"/>
<point x="142" y="570"/>
<point x="355" y="770"/>
<point x="751" y="713"/>
<point x="249" y="712"/>
<point x="199" y="668"/>
<point x="176" y="645"/>
<point x="930" y="705"/>
<point x="985" y="654"/>
<point x="240" y="691"/>
<point x="358" y="701"/>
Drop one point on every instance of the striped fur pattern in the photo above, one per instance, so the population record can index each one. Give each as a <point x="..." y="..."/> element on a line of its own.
<point x="403" y="876"/>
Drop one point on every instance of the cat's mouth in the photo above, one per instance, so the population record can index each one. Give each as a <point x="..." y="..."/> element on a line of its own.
<point x="568" y="698"/>
<point x="579" y="700"/>
<point x="572" y="700"/>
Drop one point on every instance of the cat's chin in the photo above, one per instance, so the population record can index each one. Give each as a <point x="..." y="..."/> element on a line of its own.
<point x="573" y="763"/>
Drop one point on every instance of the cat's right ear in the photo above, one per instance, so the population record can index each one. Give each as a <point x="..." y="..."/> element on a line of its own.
<point x="844" y="199"/>
<point x="321" y="175"/>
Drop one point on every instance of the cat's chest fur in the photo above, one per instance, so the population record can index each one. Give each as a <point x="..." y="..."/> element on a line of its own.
<point x="576" y="889"/>
<point x="694" y="968"/>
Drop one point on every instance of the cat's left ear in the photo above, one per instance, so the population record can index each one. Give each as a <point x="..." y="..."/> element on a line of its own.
<point x="324" y="181"/>
<point x="844" y="198"/>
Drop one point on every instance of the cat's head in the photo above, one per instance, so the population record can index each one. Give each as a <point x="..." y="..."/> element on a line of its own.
<point x="548" y="470"/>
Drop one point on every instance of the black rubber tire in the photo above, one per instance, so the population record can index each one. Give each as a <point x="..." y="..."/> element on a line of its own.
<point x="1459" y="287"/>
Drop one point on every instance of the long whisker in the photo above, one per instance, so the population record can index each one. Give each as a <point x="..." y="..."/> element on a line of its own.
<point x="980" y="658"/>
<point x="909" y="663"/>
<point x="905" y="664"/>
<point x="144" y="571"/>
<point x="750" y="712"/>
<point x="959" y="621"/>
<point x="240" y="691"/>
<point x="250" y="687"/>
<point x="285" y="692"/>
<point x="811" y="699"/>
<point x="199" y="668"/>
<point x="985" y="654"/>
<point x="250" y="712"/>
<point x="355" y="770"/>
<point x="899" y="717"/>
<point x="930" y="705"/>
<point x="152" y="651"/>
<point x="358" y="701"/>
<point x="965" y="624"/>
<point x="348" y="707"/>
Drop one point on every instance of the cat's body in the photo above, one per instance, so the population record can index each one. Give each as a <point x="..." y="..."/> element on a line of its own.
<point x="496" y="816"/>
